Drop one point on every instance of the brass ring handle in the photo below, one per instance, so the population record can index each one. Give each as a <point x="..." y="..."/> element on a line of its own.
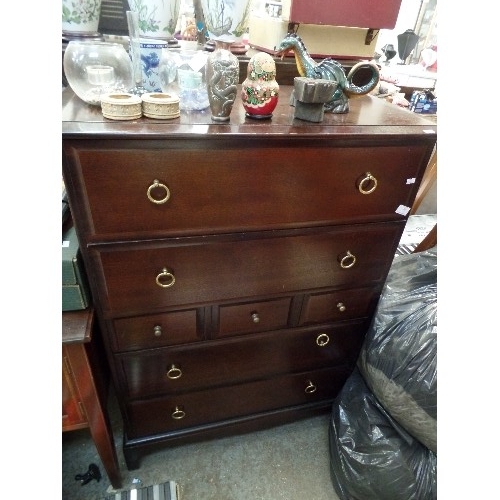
<point x="367" y="180"/>
<point x="157" y="331"/>
<point x="174" y="373"/>
<point x="165" y="273"/>
<point x="158" y="184"/>
<point x="310" y="388"/>
<point x="322" y="339"/>
<point x="341" y="307"/>
<point x="178" y="413"/>
<point x="347" y="261"/>
<point x="255" y="317"/>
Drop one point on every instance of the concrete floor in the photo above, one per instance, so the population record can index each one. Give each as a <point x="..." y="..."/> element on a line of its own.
<point x="289" y="462"/>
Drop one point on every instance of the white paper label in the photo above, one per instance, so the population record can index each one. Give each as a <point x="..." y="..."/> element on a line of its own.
<point x="402" y="210"/>
<point x="65" y="244"/>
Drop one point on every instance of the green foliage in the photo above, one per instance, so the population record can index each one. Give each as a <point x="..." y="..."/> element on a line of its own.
<point x="81" y="11"/>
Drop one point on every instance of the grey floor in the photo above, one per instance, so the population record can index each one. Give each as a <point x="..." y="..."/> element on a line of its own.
<point x="289" y="462"/>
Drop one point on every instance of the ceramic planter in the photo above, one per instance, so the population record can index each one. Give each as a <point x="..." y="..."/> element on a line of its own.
<point x="157" y="18"/>
<point x="226" y="20"/>
<point x="81" y="16"/>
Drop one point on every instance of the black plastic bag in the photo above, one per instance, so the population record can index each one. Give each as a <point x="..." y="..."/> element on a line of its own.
<point x="398" y="359"/>
<point x="372" y="457"/>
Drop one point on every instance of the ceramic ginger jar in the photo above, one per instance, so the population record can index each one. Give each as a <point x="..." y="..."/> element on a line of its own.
<point x="260" y="89"/>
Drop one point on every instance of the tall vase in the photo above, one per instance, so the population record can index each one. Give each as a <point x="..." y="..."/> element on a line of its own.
<point x="226" y="22"/>
<point x="223" y="71"/>
<point x="81" y="19"/>
<point x="157" y="18"/>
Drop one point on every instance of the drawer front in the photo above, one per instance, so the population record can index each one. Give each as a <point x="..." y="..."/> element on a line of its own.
<point x="200" y="190"/>
<point x="204" y="407"/>
<point x="156" y="330"/>
<point x="177" y="369"/>
<point x="339" y="305"/>
<point x="253" y="317"/>
<point x="151" y="279"/>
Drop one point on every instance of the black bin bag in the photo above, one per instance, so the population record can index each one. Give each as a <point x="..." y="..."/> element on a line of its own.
<point x="372" y="456"/>
<point x="398" y="359"/>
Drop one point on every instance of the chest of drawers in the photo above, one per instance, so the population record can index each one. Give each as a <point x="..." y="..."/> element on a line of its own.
<point x="235" y="267"/>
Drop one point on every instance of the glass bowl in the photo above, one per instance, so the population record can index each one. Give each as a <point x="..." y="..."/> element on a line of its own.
<point x="95" y="68"/>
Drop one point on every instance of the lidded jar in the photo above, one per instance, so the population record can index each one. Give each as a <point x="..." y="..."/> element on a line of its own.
<point x="260" y="89"/>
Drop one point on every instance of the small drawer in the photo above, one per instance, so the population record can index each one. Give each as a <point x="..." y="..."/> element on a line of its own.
<point x="253" y="317"/>
<point x="239" y="359"/>
<point x="223" y="403"/>
<point x="338" y="306"/>
<point x="157" y="330"/>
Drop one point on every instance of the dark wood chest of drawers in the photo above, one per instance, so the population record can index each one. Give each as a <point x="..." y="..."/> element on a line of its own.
<point x="236" y="267"/>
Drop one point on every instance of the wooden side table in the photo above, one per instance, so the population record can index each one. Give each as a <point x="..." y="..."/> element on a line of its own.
<point x="84" y="387"/>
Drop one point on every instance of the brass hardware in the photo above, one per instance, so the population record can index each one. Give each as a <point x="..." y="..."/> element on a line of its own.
<point x="158" y="184"/>
<point x="165" y="273"/>
<point x="310" y="388"/>
<point x="157" y="331"/>
<point x="255" y="317"/>
<point x="178" y="413"/>
<point x="341" y="307"/>
<point x="174" y="373"/>
<point x="347" y="261"/>
<point x="365" y="182"/>
<point x="322" y="339"/>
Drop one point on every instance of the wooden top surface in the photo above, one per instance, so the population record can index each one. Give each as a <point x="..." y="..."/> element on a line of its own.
<point x="368" y="116"/>
<point x="77" y="326"/>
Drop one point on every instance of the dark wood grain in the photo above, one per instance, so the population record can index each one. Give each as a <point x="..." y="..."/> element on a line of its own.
<point x="264" y="218"/>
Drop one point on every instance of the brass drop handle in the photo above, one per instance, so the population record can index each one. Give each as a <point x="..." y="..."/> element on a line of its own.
<point x="255" y="317"/>
<point x="174" y="373"/>
<point x="165" y="274"/>
<point x="157" y="331"/>
<point x="178" y="413"/>
<point x="367" y="184"/>
<point x="322" y="339"/>
<point x="157" y="184"/>
<point x="341" y="307"/>
<point x="347" y="260"/>
<point x="310" y="388"/>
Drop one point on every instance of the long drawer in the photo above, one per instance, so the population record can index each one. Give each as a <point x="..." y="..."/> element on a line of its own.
<point x="183" y="368"/>
<point x="182" y="411"/>
<point x="179" y="188"/>
<point x="152" y="277"/>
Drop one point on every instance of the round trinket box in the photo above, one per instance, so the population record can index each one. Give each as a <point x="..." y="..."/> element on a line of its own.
<point x="121" y="106"/>
<point x="161" y="106"/>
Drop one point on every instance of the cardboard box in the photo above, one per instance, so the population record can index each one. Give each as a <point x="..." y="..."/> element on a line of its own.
<point x="75" y="290"/>
<point x="423" y="101"/>
<point x="265" y="32"/>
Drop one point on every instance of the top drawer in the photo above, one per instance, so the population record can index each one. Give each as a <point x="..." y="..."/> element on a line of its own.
<point x="180" y="188"/>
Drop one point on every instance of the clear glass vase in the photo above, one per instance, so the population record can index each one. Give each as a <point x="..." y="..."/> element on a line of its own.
<point x="183" y="72"/>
